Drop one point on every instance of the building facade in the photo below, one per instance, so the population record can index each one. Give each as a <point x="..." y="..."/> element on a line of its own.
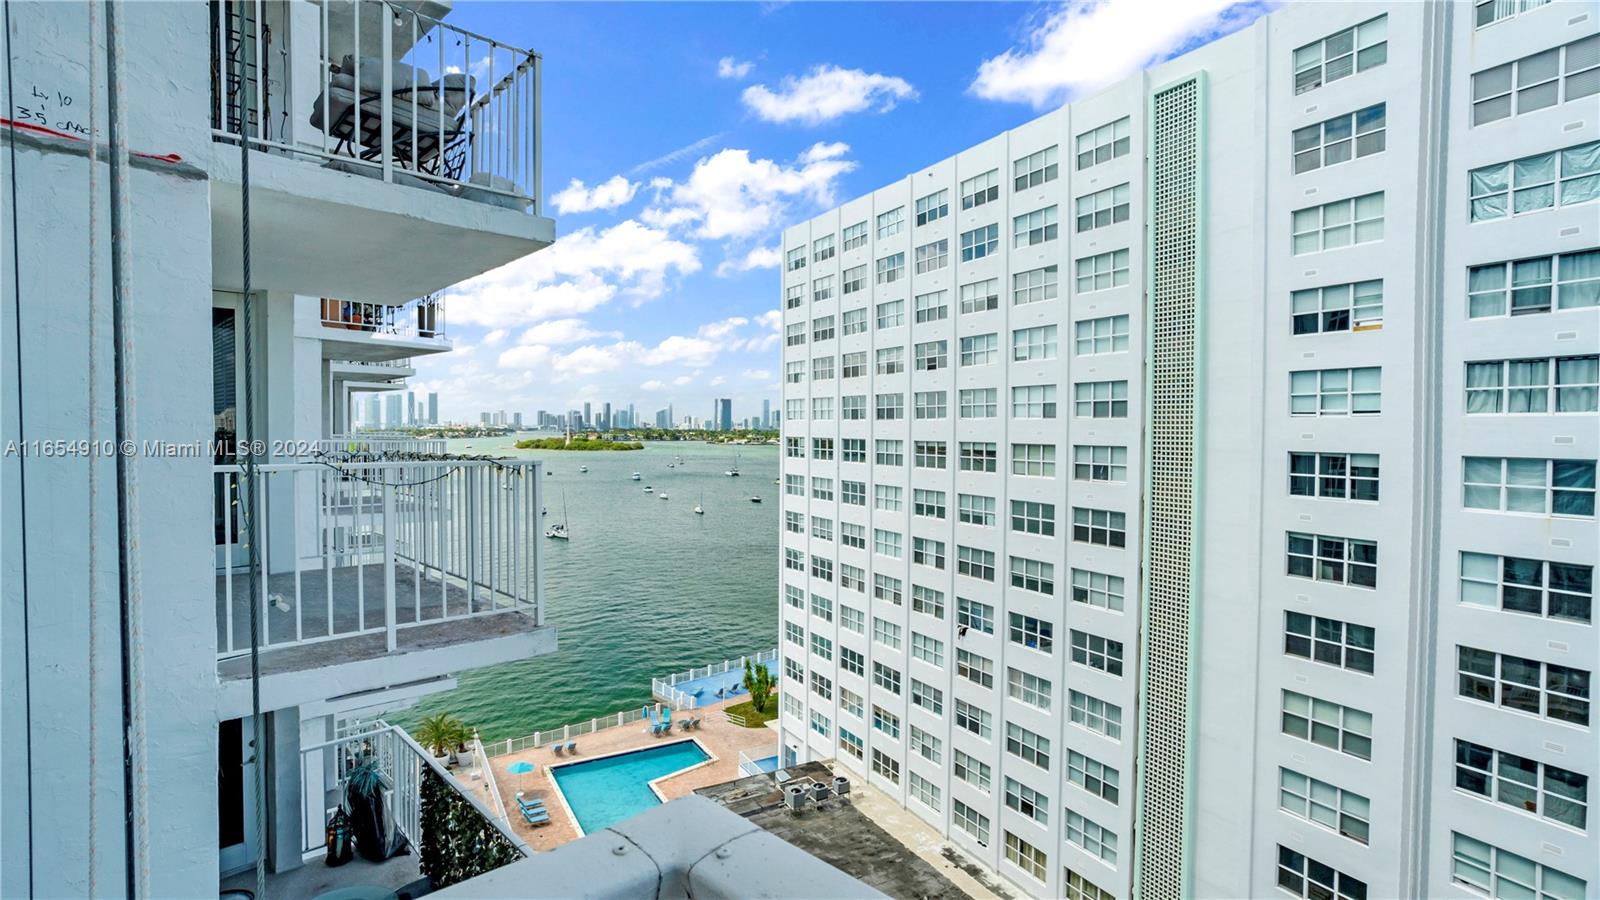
<point x="1191" y="490"/>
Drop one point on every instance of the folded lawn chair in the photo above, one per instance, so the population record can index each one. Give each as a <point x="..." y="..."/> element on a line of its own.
<point x="536" y="817"/>
<point x="428" y="122"/>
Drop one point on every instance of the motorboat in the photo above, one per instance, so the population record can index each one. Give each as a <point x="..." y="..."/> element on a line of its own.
<point x="755" y="499"/>
<point x="635" y="476"/>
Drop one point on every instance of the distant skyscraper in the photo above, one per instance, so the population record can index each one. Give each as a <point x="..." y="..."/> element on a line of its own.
<point x="516" y="420"/>
<point x="391" y="412"/>
<point x="433" y="408"/>
<point x="373" y="417"/>
<point x="605" y="416"/>
<point x="587" y="421"/>
<point x="411" y="408"/>
<point x="766" y="413"/>
<point x="722" y="414"/>
<point x="485" y="418"/>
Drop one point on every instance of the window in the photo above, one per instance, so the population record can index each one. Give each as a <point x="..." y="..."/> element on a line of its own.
<point x="1342" y="728"/>
<point x="792" y="705"/>
<point x="1099" y="526"/>
<point x="1033" y="575"/>
<point x="853" y="408"/>
<point x="980" y="242"/>
<point x="794" y="448"/>
<point x="1093" y="776"/>
<point x="1340" y="139"/>
<point x="1096" y="462"/>
<point x="1100" y="399"/>
<point x="891" y="223"/>
<point x="822" y="368"/>
<point x="891" y="314"/>
<point x="927" y="649"/>
<point x="1102" y="272"/>
<point x="1334" y="476"/>
<point x="1097" y="589"/>
<point x="822" y="408"/>
<point x="1093" y="838"/>
<point x="794" y="596"/>
<point x="852" y="534"/>
<point x="794" y="334"/>
<point x="853" y="321"/>
<point x="974" y="615"/>
<point x="975" y="563"/>
<point x="821" y="568"/>
<point x="1341" y="54"/>
<point x="1336" y="392"/>
<point x="854" y="365"/>
<point x="1034" y="286"/>
<point x="1521" y="783"/>
<point x="1031" y="517"/>
<point x="929" y="405"/>
<point x="854" y="236"/>
<point x="1329" y="641"/>
<point x="979" y="456"/>
<point x="855" y="278"/>
<point x="970" y="821"/>
<point x="927" y="601"/>
<point x="852" y="703"/>
<point x="850" y="743"/>
<point x="886" y="543"/>
<point x="1103" y="144"/>
<point x="1108" y="334"/>
<point x="821" y="685"/>
<point x="979" y="349"/>
<point x="794" y="485"/>
<point x="889" y="453"/>
<point x="883" y="676"/>
<point x="1537" y="82"/>
<point x="1321" y="803"/>
<point x="982" y="403"/>
<point x="795" y="522"/>
<point x="792" y="669"/>
<point x="794" y="410"/>
<point x="974" y="719"/>
<point x="797" y="258"/>
<point x="1303" y="876"/>
<point x="927" y="551"/>
<point x="1528" y="685"/>
<point x="820" y="724"/>
<point x="890" y="269"/>
<point x="890" y="407"/>
<point x="1338" y="307"/>
<point x="1037" y="343"/>
<point x="1036" y="401"/>
<point x="931" y="307"/>
<point x="1533" y="183"/>
<point x="822" y="608"/>
<point x="1102" y="208"/>
<point x="1095" y="714"/>
<point x="822" y="248"/>
<point x="1526" y="286"/>
<point x="1037" y="460"/>
<point x="980" y="189"/>
<point x="933" y="207"/>
<point x="1081" y="888"/>
<point x="927" y="503"/>
<point x="1097" y="652"/>
<point x="853" y="493"/>
<point x="930" y="454"/>
<point x="1342" y="223"/>
<point x="1556" y="487"/>
<point x="1339" y="560"/>
<point x="794" y="559"/>
<point x="1531" y="586"/>
<point x="821" y="528"/>
<point x="932" y="256"/>
<point x="923" y="791"/>
<point x="1489" y="12"/>
<point x="851" y="619"/>
<point x="1028" y="688"/>
<point x="1028" y="802"/>
<point x="887" y="587"/>
<point x="1035" y="634"/>
<point x="850" y="660"/>
<point x="1516" y="386"/>
<point x="1034" y="228"/>
<point x="981" y="296"/>
<point x="887" y="634"/>
<point x="885" y="765"/>
<point x="821" y="488"/>
<point x="974" y="668"/>
<point x="1496" y="872"/>
<point x="971" y="771"/>
<point x="1035" y="168"/>
<point x="852" y="578"/>
<point x="794" y="634"/>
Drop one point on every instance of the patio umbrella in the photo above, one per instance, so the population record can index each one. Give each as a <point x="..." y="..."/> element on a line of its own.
<point x="520" y="768"/>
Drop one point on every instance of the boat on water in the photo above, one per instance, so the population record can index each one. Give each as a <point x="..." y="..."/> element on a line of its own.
<point x="583" y="469"/>
<point x="699" y="507"/>
<point x="669" y="465"/>
<point x="648" y="489"/>
<point x="733" y="472"/>
<point x="662" y="495"/>
<point x="635" y="476"/>
<point x="558" y="531"/>
<point x="755" y="499"/>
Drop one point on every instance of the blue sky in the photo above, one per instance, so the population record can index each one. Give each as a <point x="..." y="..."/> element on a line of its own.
<point x="681" y="137"/>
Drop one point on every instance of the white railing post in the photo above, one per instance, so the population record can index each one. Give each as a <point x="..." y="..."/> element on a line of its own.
<point x="388" y="554"/>
<point x="386" y="116"/>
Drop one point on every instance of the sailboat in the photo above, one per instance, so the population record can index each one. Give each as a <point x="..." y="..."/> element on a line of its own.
<point x="635" y="476"/>
<point x="699" y="508"/>
<point x="558" y="531"/>
<point x="733" y="472"/>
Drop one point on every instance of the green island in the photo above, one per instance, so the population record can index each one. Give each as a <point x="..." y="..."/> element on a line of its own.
<point x="577" y="443"/>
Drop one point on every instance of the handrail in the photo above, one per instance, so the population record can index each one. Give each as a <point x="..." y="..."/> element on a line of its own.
<point x="481" y="756"/>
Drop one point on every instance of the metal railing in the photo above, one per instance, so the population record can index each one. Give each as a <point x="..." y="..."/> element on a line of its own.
<point x="751" y="765"/>
<point x="664" y="688"/>
<point x="374" y="547"/>
<point x="480" y="758"/>
<point x="363" y="446"/>
<point x="400" y="760"/>
<point x="420" y="319"/>
<point x="374" y="87"/>
<point x="570" y="732"/>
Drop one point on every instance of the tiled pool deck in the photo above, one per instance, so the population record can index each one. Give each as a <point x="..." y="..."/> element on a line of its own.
<point x="731" y="683"/>
<point x="721" y="738"/>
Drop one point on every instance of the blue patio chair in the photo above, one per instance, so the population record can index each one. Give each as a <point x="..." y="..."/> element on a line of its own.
<point x="536" y="817"/>
<point x="572" y="748"/>
<point x="556" y="747"/>
<point x="526" y="804"/>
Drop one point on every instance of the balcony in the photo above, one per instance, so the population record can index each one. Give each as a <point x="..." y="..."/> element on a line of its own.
<point x="376" y="446"/>
<point x="394" y="571"/>
<point x="397" y="153"/>
<point x="362" y="332"/>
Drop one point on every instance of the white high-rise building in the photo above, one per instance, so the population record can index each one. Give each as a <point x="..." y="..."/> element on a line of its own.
<point x="1191" y="491"/>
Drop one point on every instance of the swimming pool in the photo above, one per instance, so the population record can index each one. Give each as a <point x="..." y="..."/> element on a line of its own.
<point x="603" y="792"/>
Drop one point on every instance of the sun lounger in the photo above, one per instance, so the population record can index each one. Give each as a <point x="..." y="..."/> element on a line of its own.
<point x="572" y="748"/>
<point x="556" y="747"/>
<point x="534" y="804"/>
<point x="536" y="817"/>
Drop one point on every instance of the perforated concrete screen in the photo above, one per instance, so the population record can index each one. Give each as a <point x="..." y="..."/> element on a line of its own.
<point x="1169" y="579"/>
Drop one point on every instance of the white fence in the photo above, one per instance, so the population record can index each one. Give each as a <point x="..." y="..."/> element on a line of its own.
<point x="480" y="758"/>
<point x="749" y="765"/>
<point x="569" y="732"/>
<point x="665" y="690"/>
<point x="375" y="87"/>
<point x="374" y="547"/>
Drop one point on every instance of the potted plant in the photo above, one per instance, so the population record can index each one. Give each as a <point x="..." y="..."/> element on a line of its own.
<point x="441" y="734"/>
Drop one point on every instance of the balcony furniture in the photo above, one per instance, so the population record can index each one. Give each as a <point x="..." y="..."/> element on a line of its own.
<point x="557" y="748"/>
<point x="535" y="817"/>
<point x="526" y="805"/>
<point x="572" y="748"/>
<point x="428" y="118"/>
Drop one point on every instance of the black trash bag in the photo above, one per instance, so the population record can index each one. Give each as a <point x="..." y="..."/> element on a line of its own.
<point x="374" y="838"/>
<point x="340" y="849"/>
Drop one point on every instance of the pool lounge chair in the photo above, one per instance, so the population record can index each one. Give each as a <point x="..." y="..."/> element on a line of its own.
<point x="556" y="747"/>
<point x="535" y="817"/>
<point x="536" y="804"/>
<point x="572" y="748"/>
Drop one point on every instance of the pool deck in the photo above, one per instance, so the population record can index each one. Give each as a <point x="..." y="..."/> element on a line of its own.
<point x="719" y="737"/>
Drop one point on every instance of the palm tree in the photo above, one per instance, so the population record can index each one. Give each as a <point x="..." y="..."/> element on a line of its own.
<point x="758" y="681"/>
<point x="441" y="733"/>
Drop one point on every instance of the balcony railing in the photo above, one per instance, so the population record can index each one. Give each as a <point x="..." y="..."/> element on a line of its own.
<point x="366" y="448"/>
<point x="365" y="548"/>
<point x="421" y="319"/>
<point x="373" y="87"/>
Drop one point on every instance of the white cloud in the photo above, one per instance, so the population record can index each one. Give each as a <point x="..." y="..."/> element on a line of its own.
<point x="728" y="67"/>
<point x="562" y="331"/>
<point x="757" y="374"/>
<point x="718" y="381"/>
<point x="683" y="152"/>
<point x="494" y="337"/>
<point x="682" y="380"/>
<point x="757" y="258"/>
<point x="579" y="272"/>
<point x="652" y="385"/>
<point x="730" y="195"/>
<point x="772" y="319"/>
<point x="1089" y="44"/>
<point x="825" y="93"/>
<point x="576" y="198"/>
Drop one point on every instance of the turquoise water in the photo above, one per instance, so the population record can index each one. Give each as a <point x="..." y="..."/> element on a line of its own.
<point x="644" y="588"/>
<point x="605" y="791"/>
